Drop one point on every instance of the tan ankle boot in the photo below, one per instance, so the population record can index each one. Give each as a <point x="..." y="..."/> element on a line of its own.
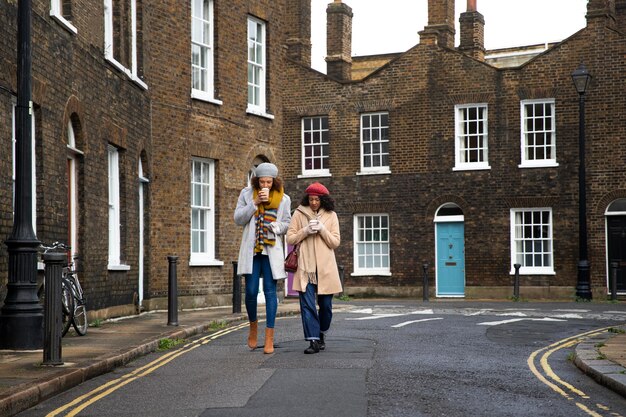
<point x="269" y="341"/>
<point x="252" y="335"/>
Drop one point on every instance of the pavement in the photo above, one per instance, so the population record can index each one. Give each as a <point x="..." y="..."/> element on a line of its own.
<point x="25" y="381"/>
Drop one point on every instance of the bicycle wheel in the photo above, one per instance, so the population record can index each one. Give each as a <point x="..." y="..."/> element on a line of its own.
<point x="67" y="302"/>
<point x="80" y="311"/>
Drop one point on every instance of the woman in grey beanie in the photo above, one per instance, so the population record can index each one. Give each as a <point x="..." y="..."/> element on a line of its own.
<point x="263" y="209"/>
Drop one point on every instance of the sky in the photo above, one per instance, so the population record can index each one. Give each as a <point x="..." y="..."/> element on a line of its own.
<point x="386" y="26"/>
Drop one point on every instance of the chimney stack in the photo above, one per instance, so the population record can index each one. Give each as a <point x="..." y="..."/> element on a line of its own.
<point x="440" y="28"/>
<point x="472" y="32"/>
<point x="601" y="12"/>
<point x="339" y="41"/>
<point x="298" y="34"/>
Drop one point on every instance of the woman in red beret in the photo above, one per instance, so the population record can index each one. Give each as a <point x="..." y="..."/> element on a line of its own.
<point x="315" y="226"/>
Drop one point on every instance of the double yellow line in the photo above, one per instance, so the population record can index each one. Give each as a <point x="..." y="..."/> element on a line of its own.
<point x="553" y="381"/>
<point x="84" y="401"/>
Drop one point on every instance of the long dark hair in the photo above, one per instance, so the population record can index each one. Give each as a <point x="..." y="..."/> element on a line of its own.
<point x="277" y="184"/>
<point x="326" y="202"/>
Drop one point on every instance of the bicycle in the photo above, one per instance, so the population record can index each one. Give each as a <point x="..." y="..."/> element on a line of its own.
<point x="72" y="296"/>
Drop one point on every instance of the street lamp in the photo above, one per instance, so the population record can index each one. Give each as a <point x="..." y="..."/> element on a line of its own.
<point x="21" y="316"/>
<point x="582" y="78"/>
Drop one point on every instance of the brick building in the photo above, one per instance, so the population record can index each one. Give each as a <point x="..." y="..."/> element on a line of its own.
<point x="129" y="101"/>
<point x="216" y="101"/>
<point x="465" y="159"/>
<point x="147" y="122"/>
<point x="90" y="125"/>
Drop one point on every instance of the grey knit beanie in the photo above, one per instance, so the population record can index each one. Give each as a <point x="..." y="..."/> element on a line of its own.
<point x="266" y="170"/>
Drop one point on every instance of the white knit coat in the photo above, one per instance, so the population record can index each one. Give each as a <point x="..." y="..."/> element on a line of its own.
<point x="244" y="216"/>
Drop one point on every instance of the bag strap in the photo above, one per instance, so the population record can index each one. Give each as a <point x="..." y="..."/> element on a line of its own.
<point x="303" y="212"/>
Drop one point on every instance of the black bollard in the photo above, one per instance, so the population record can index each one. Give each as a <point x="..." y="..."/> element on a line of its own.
<point x="614" y="266"/>
<point x="425" y="282"/>
<point x="516" y="281"/>
<point x="341" y="278"/>
<point x="236" y="290"/>
<point x="172" y="293"/>
<point x="53" y="322"/>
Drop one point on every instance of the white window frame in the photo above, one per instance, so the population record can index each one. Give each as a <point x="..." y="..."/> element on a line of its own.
<point x="115" y="262"/>
<point x="317" y="143"/>
<point x="380" y="169"/>
<point x="56" y="12"/>
<point x="33" y="164"/>
<point x="204" y="43"/>
<point x="72" y="159"/>
<point x="461" y="146"/>
<point x="517" y="235"/>
<point x="358" y="243"/>
<point x="205" y="186"/>
<point x="131" y="72"/>
<point x="257" y="60"/>
<point x="535" y="163"/>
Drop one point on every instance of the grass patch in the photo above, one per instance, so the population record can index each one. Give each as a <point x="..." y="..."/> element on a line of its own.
<point x="571" y="356"/>
<point x="96" y="323"/>
<point x="167" y="343"/>
<point x="217" y="325"/>
<point x="599" y="345"/>
<point x="344" y="297"/>
<point x="601" y="356"/>
<point x="615" y="330"/>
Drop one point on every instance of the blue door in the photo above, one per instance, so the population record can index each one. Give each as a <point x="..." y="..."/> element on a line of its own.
<point x="450" y="259"/>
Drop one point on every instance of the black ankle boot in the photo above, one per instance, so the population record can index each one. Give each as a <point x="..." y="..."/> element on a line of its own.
<point x="314" y="347"/>
<point x="322" y="342"/>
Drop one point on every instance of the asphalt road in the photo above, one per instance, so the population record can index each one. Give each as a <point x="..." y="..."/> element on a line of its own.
<point x="382" y="359"/>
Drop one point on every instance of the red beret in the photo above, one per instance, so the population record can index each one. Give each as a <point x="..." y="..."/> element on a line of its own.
<point x="316" y="189"/>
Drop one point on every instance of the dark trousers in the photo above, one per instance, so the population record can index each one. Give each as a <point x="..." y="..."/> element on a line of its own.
<point x="312" y="322"/>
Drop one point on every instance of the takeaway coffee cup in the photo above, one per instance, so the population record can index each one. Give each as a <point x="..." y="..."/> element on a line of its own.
<point x="265" y="196"/>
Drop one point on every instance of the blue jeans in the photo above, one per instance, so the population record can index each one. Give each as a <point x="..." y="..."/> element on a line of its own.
<point x="312" y="322"/>
<point x="261" y="266"/>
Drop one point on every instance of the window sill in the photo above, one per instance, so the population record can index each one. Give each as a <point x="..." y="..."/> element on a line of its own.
<point x="64" y="23"/>
<point x="529" y="271"/>
<point x="370" y="274"/>
<point x="378" y="172"/>
<point x="547" y="164"/>
<point x="471" y="168"/>
<point x="203" y="96"/>
<point x="315" y="175"/>
<point x="121" y="68"/>
<point x="256" y="112"/>
<point x="202" y="262"/>
<point x="118" y="267"/>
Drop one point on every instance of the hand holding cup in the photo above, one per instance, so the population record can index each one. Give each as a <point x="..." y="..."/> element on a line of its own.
<point x="315" y="225"/>
<point x="264" y="194"/>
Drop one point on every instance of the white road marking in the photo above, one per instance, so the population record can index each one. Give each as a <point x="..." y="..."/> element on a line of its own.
<point x="422" y="312"/>
<point x="385" y="315"/>
<point x="477" y="313"/>
<point x="496" y="323"/>
<point x="376" y="316"/>
<point x="415" y="321"/>
<point x="516" y="314"/>
<point x="569" y="316"/>
<point x="362" y="311"/>
<point x="571" y="310"/>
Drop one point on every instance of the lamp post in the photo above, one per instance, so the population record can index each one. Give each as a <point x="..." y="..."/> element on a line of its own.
<point x="21" y="317"/>
<point x="582" y="78"/>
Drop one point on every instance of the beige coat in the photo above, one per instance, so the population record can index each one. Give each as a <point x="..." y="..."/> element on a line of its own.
<point x="317" y="251"/>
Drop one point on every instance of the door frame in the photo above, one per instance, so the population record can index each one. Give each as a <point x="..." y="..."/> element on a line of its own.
<point x="607" y="265"/>
<point x="455" y="218"/>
